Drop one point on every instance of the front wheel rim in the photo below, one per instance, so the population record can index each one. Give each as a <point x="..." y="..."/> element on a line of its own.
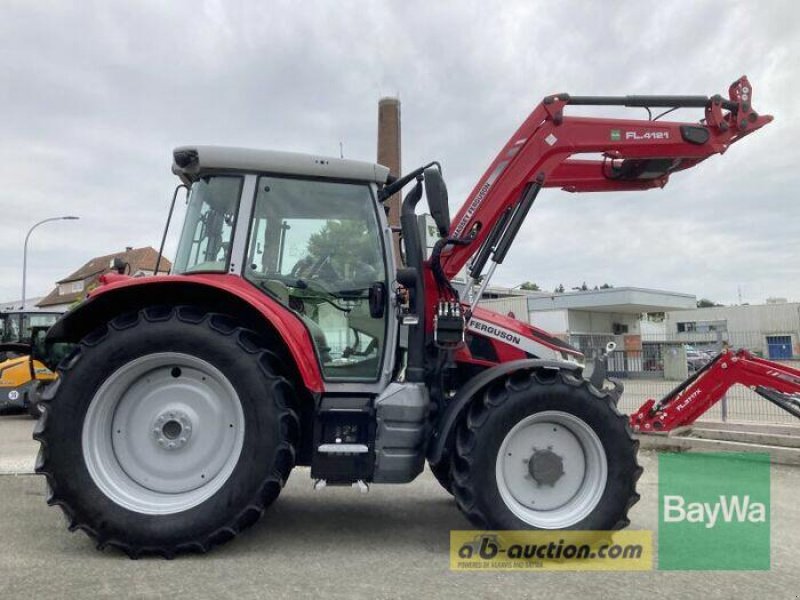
<point x="163" y="433"/>
<point x="551" y="470"/>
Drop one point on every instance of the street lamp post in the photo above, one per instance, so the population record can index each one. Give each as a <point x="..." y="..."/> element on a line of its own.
<point x="25" y="261"/>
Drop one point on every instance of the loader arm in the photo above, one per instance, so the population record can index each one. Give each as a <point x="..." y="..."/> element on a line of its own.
<point x="635" y="154"/>
<point x="776" y="382"/>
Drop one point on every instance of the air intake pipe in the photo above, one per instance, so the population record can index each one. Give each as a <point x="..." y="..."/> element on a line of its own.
<point x="412" y="278"/>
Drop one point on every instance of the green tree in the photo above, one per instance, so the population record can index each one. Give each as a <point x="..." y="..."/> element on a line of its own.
<point x="346" y="244"/>
<point x="706" y="303"/>
<point x="531" y="286"/>
<point x="559" y="289"/>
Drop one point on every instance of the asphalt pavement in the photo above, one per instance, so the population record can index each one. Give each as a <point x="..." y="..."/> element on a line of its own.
<point x="338" y="543"/>
<point x="17" y="447"/>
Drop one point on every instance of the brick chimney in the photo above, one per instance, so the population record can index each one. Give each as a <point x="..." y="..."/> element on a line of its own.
<point x="389" y="152"/>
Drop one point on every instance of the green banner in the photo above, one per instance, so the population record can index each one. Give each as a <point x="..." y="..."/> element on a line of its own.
<point x="714" y="511"/>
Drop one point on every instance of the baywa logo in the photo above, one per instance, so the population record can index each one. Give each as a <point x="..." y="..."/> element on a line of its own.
<point x="714" y="511"/>
<point x="729" y="508"/>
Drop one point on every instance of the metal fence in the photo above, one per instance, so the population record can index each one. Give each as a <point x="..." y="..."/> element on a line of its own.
<point x="648" y="368"/>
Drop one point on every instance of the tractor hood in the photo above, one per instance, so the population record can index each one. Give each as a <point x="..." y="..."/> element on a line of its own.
<point x="531" y="340"/>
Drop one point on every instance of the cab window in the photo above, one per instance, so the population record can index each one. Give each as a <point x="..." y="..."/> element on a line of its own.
<point x="315" y="246"/>
<point x="205" y="242"/>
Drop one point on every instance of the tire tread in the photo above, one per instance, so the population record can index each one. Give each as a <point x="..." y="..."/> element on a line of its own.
<point x="470" y="426"/>
<point x="270" y="486"/>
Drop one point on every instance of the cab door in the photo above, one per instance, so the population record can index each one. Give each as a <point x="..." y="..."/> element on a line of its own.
<point x="320" y="248"/>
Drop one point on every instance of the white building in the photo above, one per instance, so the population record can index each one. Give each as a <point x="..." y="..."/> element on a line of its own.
<point x="592" y="318"/>
<point x="15" y="306"/>
<point x="772" y="330"/>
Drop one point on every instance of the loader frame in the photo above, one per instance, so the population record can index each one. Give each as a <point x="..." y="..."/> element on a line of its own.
<point x="776" y="382"/>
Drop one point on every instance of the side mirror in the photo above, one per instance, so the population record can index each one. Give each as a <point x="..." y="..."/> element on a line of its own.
<point x="377" y="300"/>
<point x="436" y="193"/>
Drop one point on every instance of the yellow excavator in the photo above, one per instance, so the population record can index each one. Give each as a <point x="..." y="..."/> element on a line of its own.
<point x="21" y="375"/>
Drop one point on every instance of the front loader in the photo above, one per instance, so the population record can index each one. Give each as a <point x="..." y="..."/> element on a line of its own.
<point x="288" y="335"/>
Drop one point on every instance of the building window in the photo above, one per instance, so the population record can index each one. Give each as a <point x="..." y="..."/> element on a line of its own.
<point x="779" y="347"/>
<point x="687" y="327"/>
<point x="71" y="287"/>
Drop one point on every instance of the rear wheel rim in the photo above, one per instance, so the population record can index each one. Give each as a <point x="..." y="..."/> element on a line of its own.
<point x="163" y="433"/>
<point x="551" y="470"/>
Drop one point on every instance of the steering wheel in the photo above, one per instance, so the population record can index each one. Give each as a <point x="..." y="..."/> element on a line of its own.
<point x="308" y="268"/>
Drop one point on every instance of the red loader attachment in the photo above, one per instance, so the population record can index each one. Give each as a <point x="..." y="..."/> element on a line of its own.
<point x="776" y="382"/>
<point x="547" y="150"/>
<point x="636" y="154"/>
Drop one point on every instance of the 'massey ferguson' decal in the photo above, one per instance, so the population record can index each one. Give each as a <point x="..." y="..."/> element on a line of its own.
<point x="512" y="338"/>
<point x="478" y="199"/>
<point x="495" y="331"/>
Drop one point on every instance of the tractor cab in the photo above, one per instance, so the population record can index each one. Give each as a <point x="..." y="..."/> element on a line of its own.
<point x="23" y="327"/>
<point x="306" y="232"/>
<point x="20" y="329"/>
<point x="20" y="332"/>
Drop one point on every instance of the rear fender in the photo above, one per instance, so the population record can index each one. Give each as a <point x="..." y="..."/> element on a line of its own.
<point x="216" y="293"/>
<point x="457" y="407"/>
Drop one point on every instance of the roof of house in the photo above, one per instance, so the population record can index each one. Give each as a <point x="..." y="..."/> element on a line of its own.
<point x="618" y="300"/>
<point x="139" y="260"/>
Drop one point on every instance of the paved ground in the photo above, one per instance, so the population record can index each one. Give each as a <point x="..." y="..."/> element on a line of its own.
<point x="390" y="543"/>
<point x="17" y="448"/>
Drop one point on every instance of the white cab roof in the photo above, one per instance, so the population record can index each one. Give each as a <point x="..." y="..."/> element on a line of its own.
<point x="190" y="162"/>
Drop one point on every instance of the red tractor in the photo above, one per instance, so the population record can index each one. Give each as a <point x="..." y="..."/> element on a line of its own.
<point x="288" y="335"/>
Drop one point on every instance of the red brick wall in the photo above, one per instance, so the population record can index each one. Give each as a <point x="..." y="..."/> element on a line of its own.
<point x="389" y="151"/>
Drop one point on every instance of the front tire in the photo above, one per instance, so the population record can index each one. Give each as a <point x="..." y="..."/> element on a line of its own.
<point x="169" y="430"/>
<point x="441" y="472"/>
<point x="542" y="449"/>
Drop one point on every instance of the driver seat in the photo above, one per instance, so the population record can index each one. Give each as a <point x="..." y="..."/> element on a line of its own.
<point x="280" y="291"/>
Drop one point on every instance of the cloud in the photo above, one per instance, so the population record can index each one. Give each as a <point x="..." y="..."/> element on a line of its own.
<point x="93" y="97"/>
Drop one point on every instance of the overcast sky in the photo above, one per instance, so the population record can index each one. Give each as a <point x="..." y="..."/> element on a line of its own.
<point x="94" y="96"/>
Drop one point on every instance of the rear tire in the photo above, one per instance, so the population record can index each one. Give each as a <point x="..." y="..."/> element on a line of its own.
<point x="545" y="450"/>
<point x="170" y="430"/>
